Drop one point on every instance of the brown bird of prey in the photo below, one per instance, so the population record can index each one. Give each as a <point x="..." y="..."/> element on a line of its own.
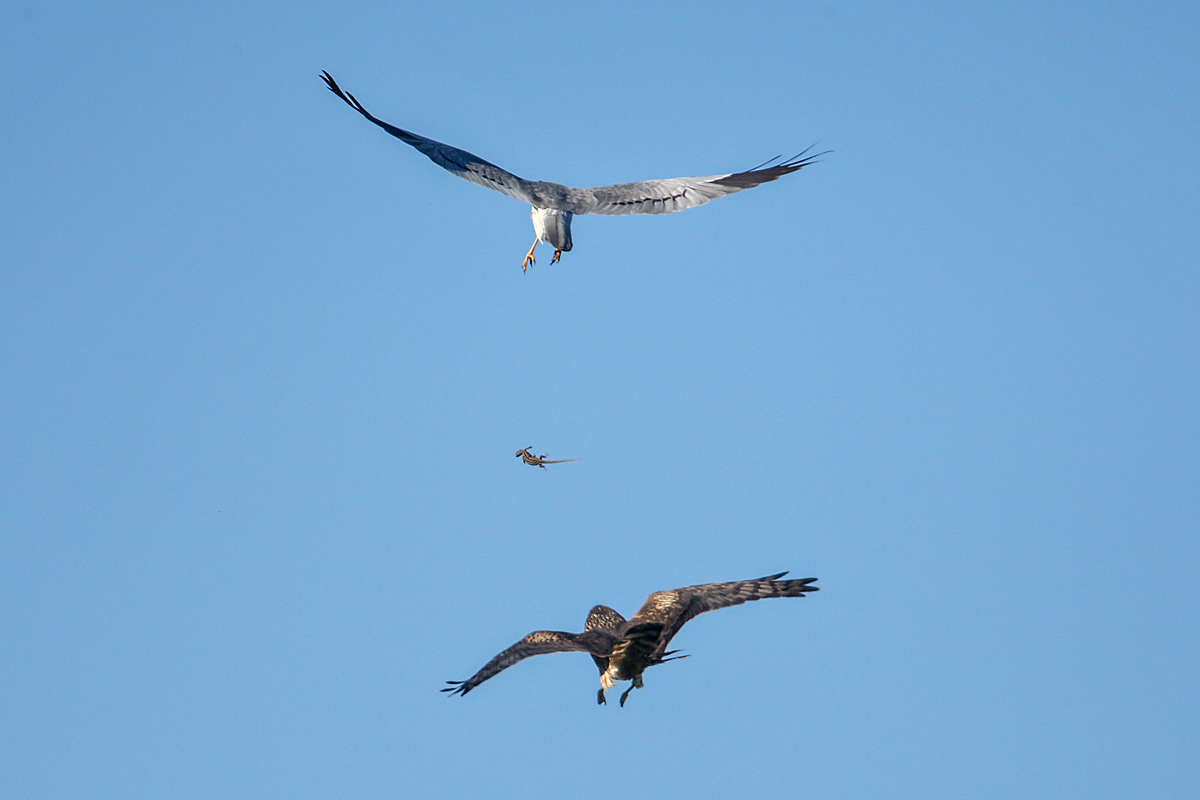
<point x="554" y="205"/>
<point x="624" y="649"/>
<point x="539" y="461"/>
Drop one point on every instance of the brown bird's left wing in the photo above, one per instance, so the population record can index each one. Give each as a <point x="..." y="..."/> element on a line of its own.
<point x="536" y="644"/>
<point x="672" y="609"/>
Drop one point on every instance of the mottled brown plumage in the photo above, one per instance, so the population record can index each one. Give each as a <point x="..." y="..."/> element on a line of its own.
<point x="624" y="649"/>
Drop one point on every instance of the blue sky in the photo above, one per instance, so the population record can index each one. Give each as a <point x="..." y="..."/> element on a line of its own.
<point x="264" y="369"/>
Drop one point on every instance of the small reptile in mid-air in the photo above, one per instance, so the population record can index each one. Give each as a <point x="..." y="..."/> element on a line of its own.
<point x="624" y="649"/>
<point x="539" y="461"/>
<point x="554" y="205"/>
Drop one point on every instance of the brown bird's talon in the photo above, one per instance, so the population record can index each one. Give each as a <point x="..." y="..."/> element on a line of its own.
<point x="600" y="701"/>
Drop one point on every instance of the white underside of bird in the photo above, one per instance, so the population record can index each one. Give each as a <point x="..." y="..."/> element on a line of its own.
<point x="552" y="227"/>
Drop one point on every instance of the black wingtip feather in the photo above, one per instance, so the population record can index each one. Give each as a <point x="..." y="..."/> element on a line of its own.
<point x="799" y="160"/>
<point x="350" y="99"/>
<point x="765" y="174"/>
<point x="331" y="84"/>
<point x="765" y="163"/>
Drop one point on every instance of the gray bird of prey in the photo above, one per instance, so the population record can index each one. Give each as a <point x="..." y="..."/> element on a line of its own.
<point x="624" y="649"/>
<point x="555" y="205"/>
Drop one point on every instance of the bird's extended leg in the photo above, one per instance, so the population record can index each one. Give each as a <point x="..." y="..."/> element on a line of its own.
<point x="600" y="698"/>
<point x="557" y="256"/>
<point x="529" y="259"/>
<point x="637" y="684"/>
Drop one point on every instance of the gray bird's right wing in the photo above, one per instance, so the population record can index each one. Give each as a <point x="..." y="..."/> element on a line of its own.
<point x="463" y="164"/>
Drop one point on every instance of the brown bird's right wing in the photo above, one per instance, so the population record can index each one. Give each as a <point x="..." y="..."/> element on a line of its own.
<point x="536" y="644"/>
<point x="672" y="609"/>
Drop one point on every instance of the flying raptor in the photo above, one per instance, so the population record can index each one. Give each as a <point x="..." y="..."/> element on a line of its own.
<point x="624" y="649"/>
<point x="554" y="205"/>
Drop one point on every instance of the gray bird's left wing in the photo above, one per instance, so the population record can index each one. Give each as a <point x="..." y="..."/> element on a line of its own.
<point x="673" y="608"/>
<point x="463" y="164"/>
<point x="677" y="194"/>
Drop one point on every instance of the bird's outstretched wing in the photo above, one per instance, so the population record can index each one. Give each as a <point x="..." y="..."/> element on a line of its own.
<point x="463" y="164"/>
<point x="535" y="644"/>
<point x="676" y="194"/>
<point x="672" y="609"/>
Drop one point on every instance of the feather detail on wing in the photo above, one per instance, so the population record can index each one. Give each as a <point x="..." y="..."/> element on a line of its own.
<point x="677" y="194"/>
<point x="603" y="618"/>
<point x="536" y="644"/>
<point x="673" y="608"/>
<point x="463" y="164"/>
<point x="639" y="644"/>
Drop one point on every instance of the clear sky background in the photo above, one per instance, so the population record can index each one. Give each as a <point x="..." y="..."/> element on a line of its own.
<point x="263" y="370"/>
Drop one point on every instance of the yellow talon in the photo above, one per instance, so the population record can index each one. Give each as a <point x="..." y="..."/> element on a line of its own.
<point x="529" y="259"/>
